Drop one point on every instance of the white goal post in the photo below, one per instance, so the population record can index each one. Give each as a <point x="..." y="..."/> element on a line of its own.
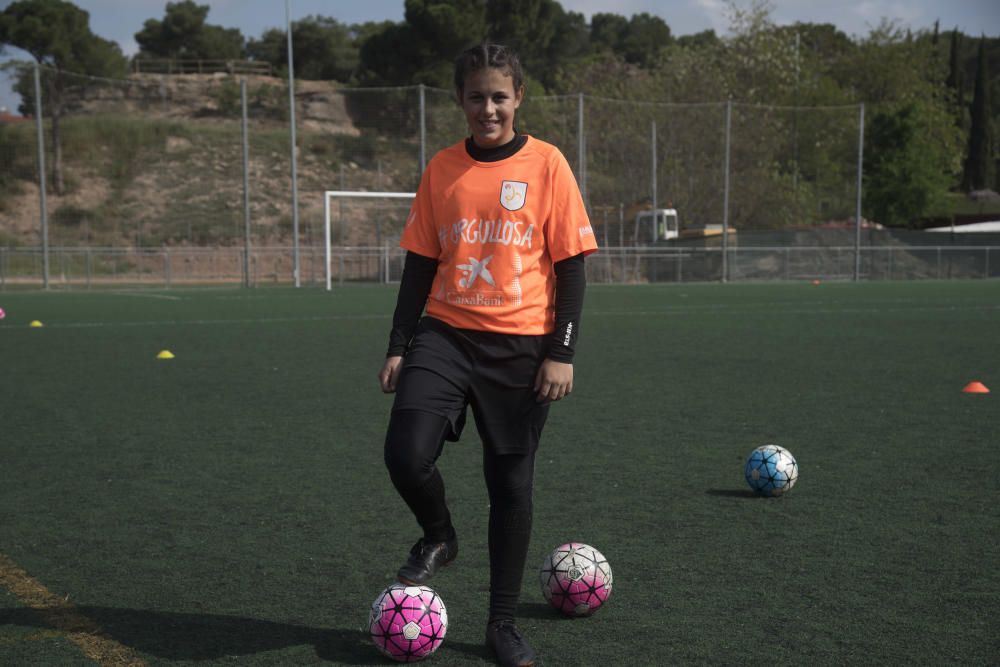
<point x="330" y="195"/>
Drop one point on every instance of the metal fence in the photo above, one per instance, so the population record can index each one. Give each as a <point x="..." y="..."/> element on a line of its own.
<point x="199" y="66"/>
<point x="176" y="267"/>
<point x="178" y="179"/>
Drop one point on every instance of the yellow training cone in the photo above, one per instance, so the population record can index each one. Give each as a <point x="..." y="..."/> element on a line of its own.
<point x="165" y="354"/>
<point x="35" y="323"/>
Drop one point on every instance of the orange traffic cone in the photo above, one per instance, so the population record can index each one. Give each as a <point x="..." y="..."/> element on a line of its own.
<point x="976" y="388"/>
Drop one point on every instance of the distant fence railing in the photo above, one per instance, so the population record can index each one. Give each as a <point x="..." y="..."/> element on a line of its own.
<point x="173" y="267"/>
<point x="199" y="66"/>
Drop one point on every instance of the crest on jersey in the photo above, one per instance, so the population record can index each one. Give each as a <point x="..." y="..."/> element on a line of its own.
<point x="512" y="195"/>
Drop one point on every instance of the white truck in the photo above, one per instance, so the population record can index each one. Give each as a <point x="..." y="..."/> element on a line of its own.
<point x="656" y="225"/>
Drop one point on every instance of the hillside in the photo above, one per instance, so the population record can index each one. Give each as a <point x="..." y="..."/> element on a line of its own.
<point x="158" y="161"/>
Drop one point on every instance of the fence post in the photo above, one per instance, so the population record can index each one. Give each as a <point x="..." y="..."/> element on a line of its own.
<point x="41" y="177"/>
<point x="246" y="184"/>
<point x="423" y="130"/>
<point x="340" y="204"/>
<point x="857" y="214"/>
<point x="582" y="148"/>
<point x="621" y="224"/>
<point x="166" y="267"/>
<point x="607" y="256"/>
<point x="89" y="268"/>
<point x="295" y="177"/>
<point x="327" y="246"/>
<point x="725" y="196"/>
<point x="3" y="267"/>
<point x="652" y="141"/>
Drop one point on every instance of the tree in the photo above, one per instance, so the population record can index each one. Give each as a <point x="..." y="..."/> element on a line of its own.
<point x="639" y="40"/>
<point x="760" y="58"/>
<point x="546" y="37"/>
<point x="905" y="171"/>
<point x="569" y="46"/>
<point x="818" y="51"/>
<point x="57" y="35"/>
<point x="956" y="80"/>
<point x="444" y="28"/>
<point x="323" y="48"/>
<point x="889" y="67"/>
<point x="648" y="36"/>
<point x="183" y="33"/>
<point x="823" y="41"/>
<point x="980" y="168"/>
<point x="392" y="56"/>
<point x="699" y="40"/>
<point x="423" y="47"/>
<point x="608" y="32"/>
<point x="528" y="26"/>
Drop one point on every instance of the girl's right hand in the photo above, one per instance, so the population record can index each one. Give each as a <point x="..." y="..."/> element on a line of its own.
<point x="389" y="375"/>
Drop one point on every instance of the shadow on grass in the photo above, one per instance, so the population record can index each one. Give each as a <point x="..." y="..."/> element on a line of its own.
<point x="540" y="610"/>
<point x="177" y="636"/>
<point x="733" y="493"/>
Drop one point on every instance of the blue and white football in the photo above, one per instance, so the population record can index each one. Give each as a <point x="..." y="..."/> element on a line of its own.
<point x="771" y="470"/>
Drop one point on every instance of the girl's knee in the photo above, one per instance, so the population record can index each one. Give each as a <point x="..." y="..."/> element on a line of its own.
<point x="412" y="446"/>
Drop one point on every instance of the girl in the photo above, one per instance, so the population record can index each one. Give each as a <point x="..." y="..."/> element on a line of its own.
<point x="495" y="241"/>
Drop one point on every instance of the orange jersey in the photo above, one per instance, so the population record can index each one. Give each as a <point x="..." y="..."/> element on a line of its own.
<point x="496" y="229"/>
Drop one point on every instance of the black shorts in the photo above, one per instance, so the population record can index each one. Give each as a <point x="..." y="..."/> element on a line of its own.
<point x="447" y="369"/>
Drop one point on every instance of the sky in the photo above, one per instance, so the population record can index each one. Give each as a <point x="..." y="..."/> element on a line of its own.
<point x="119" y="20"/>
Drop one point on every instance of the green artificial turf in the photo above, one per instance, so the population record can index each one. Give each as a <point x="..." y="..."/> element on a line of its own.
<point x="232" y="504"/>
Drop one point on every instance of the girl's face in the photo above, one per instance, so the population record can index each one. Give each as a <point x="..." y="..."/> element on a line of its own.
<point x="489" y="101"/>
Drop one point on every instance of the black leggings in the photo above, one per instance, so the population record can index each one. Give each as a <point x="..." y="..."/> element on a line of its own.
<point x="413" y="444"/>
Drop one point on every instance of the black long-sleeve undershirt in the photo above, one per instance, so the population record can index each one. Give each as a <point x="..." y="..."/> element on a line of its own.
<point x="415" y="287"/>
<point x="571" y="282"/>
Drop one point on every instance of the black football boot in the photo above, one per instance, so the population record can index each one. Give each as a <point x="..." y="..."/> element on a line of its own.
<point x="509" y="645"/>
<point x="425" y="559"/>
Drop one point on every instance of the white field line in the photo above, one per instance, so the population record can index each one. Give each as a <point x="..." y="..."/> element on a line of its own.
<point x="146" y="295"/>
<point x="64" y="618"/>
<point x="751" y="310"/>
<point x="248" y="320"/>
<point x="301" y="294"/>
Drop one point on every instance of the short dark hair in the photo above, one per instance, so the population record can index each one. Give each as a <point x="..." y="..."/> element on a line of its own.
<point x="485" y="55"/>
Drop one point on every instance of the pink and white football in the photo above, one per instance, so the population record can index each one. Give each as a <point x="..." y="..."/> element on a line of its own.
<point x="576" y="579"/>
<point x="408" y="623"/>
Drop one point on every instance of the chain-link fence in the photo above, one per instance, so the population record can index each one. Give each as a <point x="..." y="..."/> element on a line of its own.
<point x="176" y="267"/>
<point x="154" y="180"/>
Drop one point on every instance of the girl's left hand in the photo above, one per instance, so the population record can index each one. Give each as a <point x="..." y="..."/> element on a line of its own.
<point x="554" y="380"/>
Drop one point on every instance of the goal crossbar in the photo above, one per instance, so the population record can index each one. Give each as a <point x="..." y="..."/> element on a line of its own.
<point x="330" y="195"/>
